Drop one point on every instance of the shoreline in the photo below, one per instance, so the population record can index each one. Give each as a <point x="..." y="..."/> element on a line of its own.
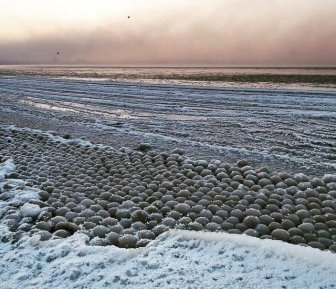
<point x="278" y="129"/>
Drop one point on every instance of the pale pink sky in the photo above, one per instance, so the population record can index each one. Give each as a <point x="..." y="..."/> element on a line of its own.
<point x="169" y="32"/>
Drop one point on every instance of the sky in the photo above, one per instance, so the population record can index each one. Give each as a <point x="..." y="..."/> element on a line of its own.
<point x="169" y="32"/>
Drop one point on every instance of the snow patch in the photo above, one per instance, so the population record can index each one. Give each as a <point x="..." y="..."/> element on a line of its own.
<point x="308" y="254"/>
<point x="15" y="195"/>
<point x="56" y="138"/>
<point x="177" y="259"/>
<point x="6" y="168"/>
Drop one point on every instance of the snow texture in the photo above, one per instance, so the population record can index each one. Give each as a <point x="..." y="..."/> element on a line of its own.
<point x="178" y="259"/>
<point x="6" y="168"/>
<point x="17" y="195"/>
<point x="53" y="138"/>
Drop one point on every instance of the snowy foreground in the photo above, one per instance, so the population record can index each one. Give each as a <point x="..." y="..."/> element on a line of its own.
<point x="178" y="259"/>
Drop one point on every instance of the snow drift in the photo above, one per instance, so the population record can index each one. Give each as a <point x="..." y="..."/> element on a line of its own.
<point x="178" y="259"/>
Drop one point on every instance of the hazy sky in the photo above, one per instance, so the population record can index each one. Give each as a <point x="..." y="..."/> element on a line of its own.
<point x="169" y="32"/>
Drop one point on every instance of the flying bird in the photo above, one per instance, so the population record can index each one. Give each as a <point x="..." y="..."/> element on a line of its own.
<point x="58" y="53"/>
<point x="128" y="17"/>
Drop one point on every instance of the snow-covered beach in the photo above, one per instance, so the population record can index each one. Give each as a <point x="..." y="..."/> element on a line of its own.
<point x="281" y="127"/>
<point x="86" y="162"/>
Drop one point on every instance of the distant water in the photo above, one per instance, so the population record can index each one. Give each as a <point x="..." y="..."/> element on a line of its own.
<point x="312" y="78"/>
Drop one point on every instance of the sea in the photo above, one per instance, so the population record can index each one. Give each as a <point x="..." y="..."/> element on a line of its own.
<point x="312" y="78"/>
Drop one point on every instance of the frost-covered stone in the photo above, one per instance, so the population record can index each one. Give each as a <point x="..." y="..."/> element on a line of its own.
<point x="140" y="216"/>
<point x="61" y="233"/>
<point x="328" y="178"/>
<point x="184" y="209"/>
<point x="195" y="226"/>
<point x="280" y="234"/>
<point x="251" y="232"/>
<point x="112" y="238"/>
<point x="45" y="235"/>
<point x="251" y="221"/>
<point x="127" y="241"/>
<point x="30" y="210"/>
<point x="213" y="227"/>
<point x="307" y="227"/>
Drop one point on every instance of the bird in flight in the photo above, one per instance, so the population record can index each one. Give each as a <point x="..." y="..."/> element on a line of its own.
<point x="58" y="53"/>
<point x="128" y="17"/>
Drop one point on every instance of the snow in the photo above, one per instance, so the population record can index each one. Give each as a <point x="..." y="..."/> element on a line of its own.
<point x="17" y="195"/>
<point x="54" y="138"/>
<point x="10" y="167"/>
<point x="178" y="259"/>
<point x="6" y="168"/>
<point x="21" y="196"/>
<point x="307" y="254"/>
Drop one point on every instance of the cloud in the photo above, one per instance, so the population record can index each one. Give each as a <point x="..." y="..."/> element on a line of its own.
<point x="224" y="32"/>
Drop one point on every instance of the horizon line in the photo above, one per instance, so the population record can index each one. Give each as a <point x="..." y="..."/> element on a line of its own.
<point x="176" y="66"/>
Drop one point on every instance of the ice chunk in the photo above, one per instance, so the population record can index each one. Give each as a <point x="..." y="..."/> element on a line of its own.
<point x="6" y="168"/>
<point x="30" y="210"/>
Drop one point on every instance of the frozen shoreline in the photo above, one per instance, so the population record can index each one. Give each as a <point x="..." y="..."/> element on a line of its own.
<point x="280" y="128"/>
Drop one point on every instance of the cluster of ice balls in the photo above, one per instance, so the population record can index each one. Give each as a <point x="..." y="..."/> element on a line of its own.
<point x="129" y="197"/>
